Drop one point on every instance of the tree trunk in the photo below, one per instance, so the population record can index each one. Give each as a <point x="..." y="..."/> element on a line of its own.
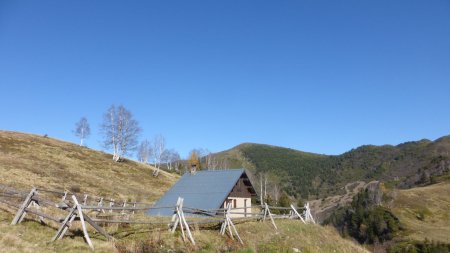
<point x="261" y="184"/>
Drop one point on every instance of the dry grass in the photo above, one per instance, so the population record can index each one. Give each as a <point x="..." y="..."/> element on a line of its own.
<point x="425" y="211"/>
<point x="29" y="160"/>
<point x="30" y="236"/>
<point x="257" y="236"/>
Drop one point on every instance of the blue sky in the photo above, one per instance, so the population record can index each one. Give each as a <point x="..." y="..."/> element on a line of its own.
<point x="319" y="76"/>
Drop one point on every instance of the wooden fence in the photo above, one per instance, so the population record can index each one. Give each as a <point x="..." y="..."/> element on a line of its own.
<point x="63" y="208"/>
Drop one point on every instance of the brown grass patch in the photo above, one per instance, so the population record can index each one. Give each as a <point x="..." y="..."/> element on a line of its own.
<point x="425" y="211"/>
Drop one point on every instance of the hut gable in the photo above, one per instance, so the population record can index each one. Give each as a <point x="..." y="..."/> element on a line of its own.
<point x="206" y="189"/>
<point x="243" y="188"/>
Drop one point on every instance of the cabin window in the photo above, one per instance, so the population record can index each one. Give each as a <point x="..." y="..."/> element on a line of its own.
<point x="234" y="200"/>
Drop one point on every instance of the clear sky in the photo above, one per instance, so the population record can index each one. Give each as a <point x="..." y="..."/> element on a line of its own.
<point x="318" y="76"/>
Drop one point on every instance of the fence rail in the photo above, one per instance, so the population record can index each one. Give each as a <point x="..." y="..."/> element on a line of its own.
<point x="64" y="207"/>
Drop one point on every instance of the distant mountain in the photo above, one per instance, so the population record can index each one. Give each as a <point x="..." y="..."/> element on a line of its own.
<point x="311" y="176"/>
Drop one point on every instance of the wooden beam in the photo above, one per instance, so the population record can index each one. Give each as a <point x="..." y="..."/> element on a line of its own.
<point x="65" y="224"/>
<point x="175" y="218"/>
<point x="97" y="227"/>
<point x="21" y="212"/>
<point x="270" y="216"/>
<point x="43" y="215"/>
<point x="185" y="223"/>
<point x="83" y="224"/>
<point x="296" y="213"/>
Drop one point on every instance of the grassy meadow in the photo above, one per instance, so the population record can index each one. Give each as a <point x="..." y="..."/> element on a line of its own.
<point x="29" y="160"/>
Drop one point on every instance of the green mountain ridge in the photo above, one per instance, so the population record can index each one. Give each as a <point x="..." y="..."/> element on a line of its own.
<point x="310" y="176"/>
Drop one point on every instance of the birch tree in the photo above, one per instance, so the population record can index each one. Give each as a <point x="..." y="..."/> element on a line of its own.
<point x="261" y="195"/>
<point x="145" y="151"/>
<point x="223" y="164"/>
<point x="121" y="131"/>
<point x="176" y="158"/>
<point x="82" y="130"/>
<point x="177" y="163"/>
<point x="159" y="146"/>
<point x="265" y="187"/>
<point x="276" y="193"/>
<point x="169" y="157"/>
<point x="211" y="161"/>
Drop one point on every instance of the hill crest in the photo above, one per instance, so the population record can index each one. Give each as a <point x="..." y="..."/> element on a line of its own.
<point x="311" y="176"/>
<point x="28" y="160"/>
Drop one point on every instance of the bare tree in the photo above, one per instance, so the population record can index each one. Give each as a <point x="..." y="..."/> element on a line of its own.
<point x="212" y="163"/>
<point x="169" y="157"/>
<point x="223" y="164"/>
<point x="159" y="146"/>
<point x="265" y="187"/>
<point x="201" y="152"/>
<point x="82" y="130"/>
<point x="176" y="160"/>
<point x="144" y="151"/>
<point x="121" y="131"/>
<point x="165" y="158"/>
<point x="276" y="193"/>
<point x="261" y="196"/>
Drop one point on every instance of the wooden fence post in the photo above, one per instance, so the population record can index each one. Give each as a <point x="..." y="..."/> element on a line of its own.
<point x="36" y="205"/>
<point x="296" y="213"/>
<point x="308" y="216"/>
<point x="74" y="212"/>
<point x="26" y="203"/>
<point x="64" y="196"/>
<point x="228" y="223"/>
<point x="175" y="218"/>
<point x="83" y="224"/>
<point x="85" y="199"/>
<point x="267" y="211"/>
<point x="124" y="205"/>
<point x="111" y="204"/>
<point x="179" y="219"/>
<point x="100" y="204"/>
<point x="183" y="219"/>
<point x="65" y="224"/>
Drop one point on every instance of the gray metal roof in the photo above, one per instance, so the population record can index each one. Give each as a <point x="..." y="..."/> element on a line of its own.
<point x="206" y="189"/>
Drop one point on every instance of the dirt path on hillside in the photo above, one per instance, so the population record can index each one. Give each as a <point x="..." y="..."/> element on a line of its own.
<point x="322" y="208"/>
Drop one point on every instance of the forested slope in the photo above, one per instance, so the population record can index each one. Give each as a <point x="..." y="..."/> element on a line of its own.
<point x="307" y="175"/>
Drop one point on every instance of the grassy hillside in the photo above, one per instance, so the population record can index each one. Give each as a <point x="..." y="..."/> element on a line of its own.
<point x="29" y="160"/>
<point x="407" y="220"/>
<point x="312" y="176"/>
<point x="30" y="236"/>
<point x="424" y="212"/>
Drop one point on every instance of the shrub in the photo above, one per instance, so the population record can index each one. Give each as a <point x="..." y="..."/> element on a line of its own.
<point x="75" y="189"/>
